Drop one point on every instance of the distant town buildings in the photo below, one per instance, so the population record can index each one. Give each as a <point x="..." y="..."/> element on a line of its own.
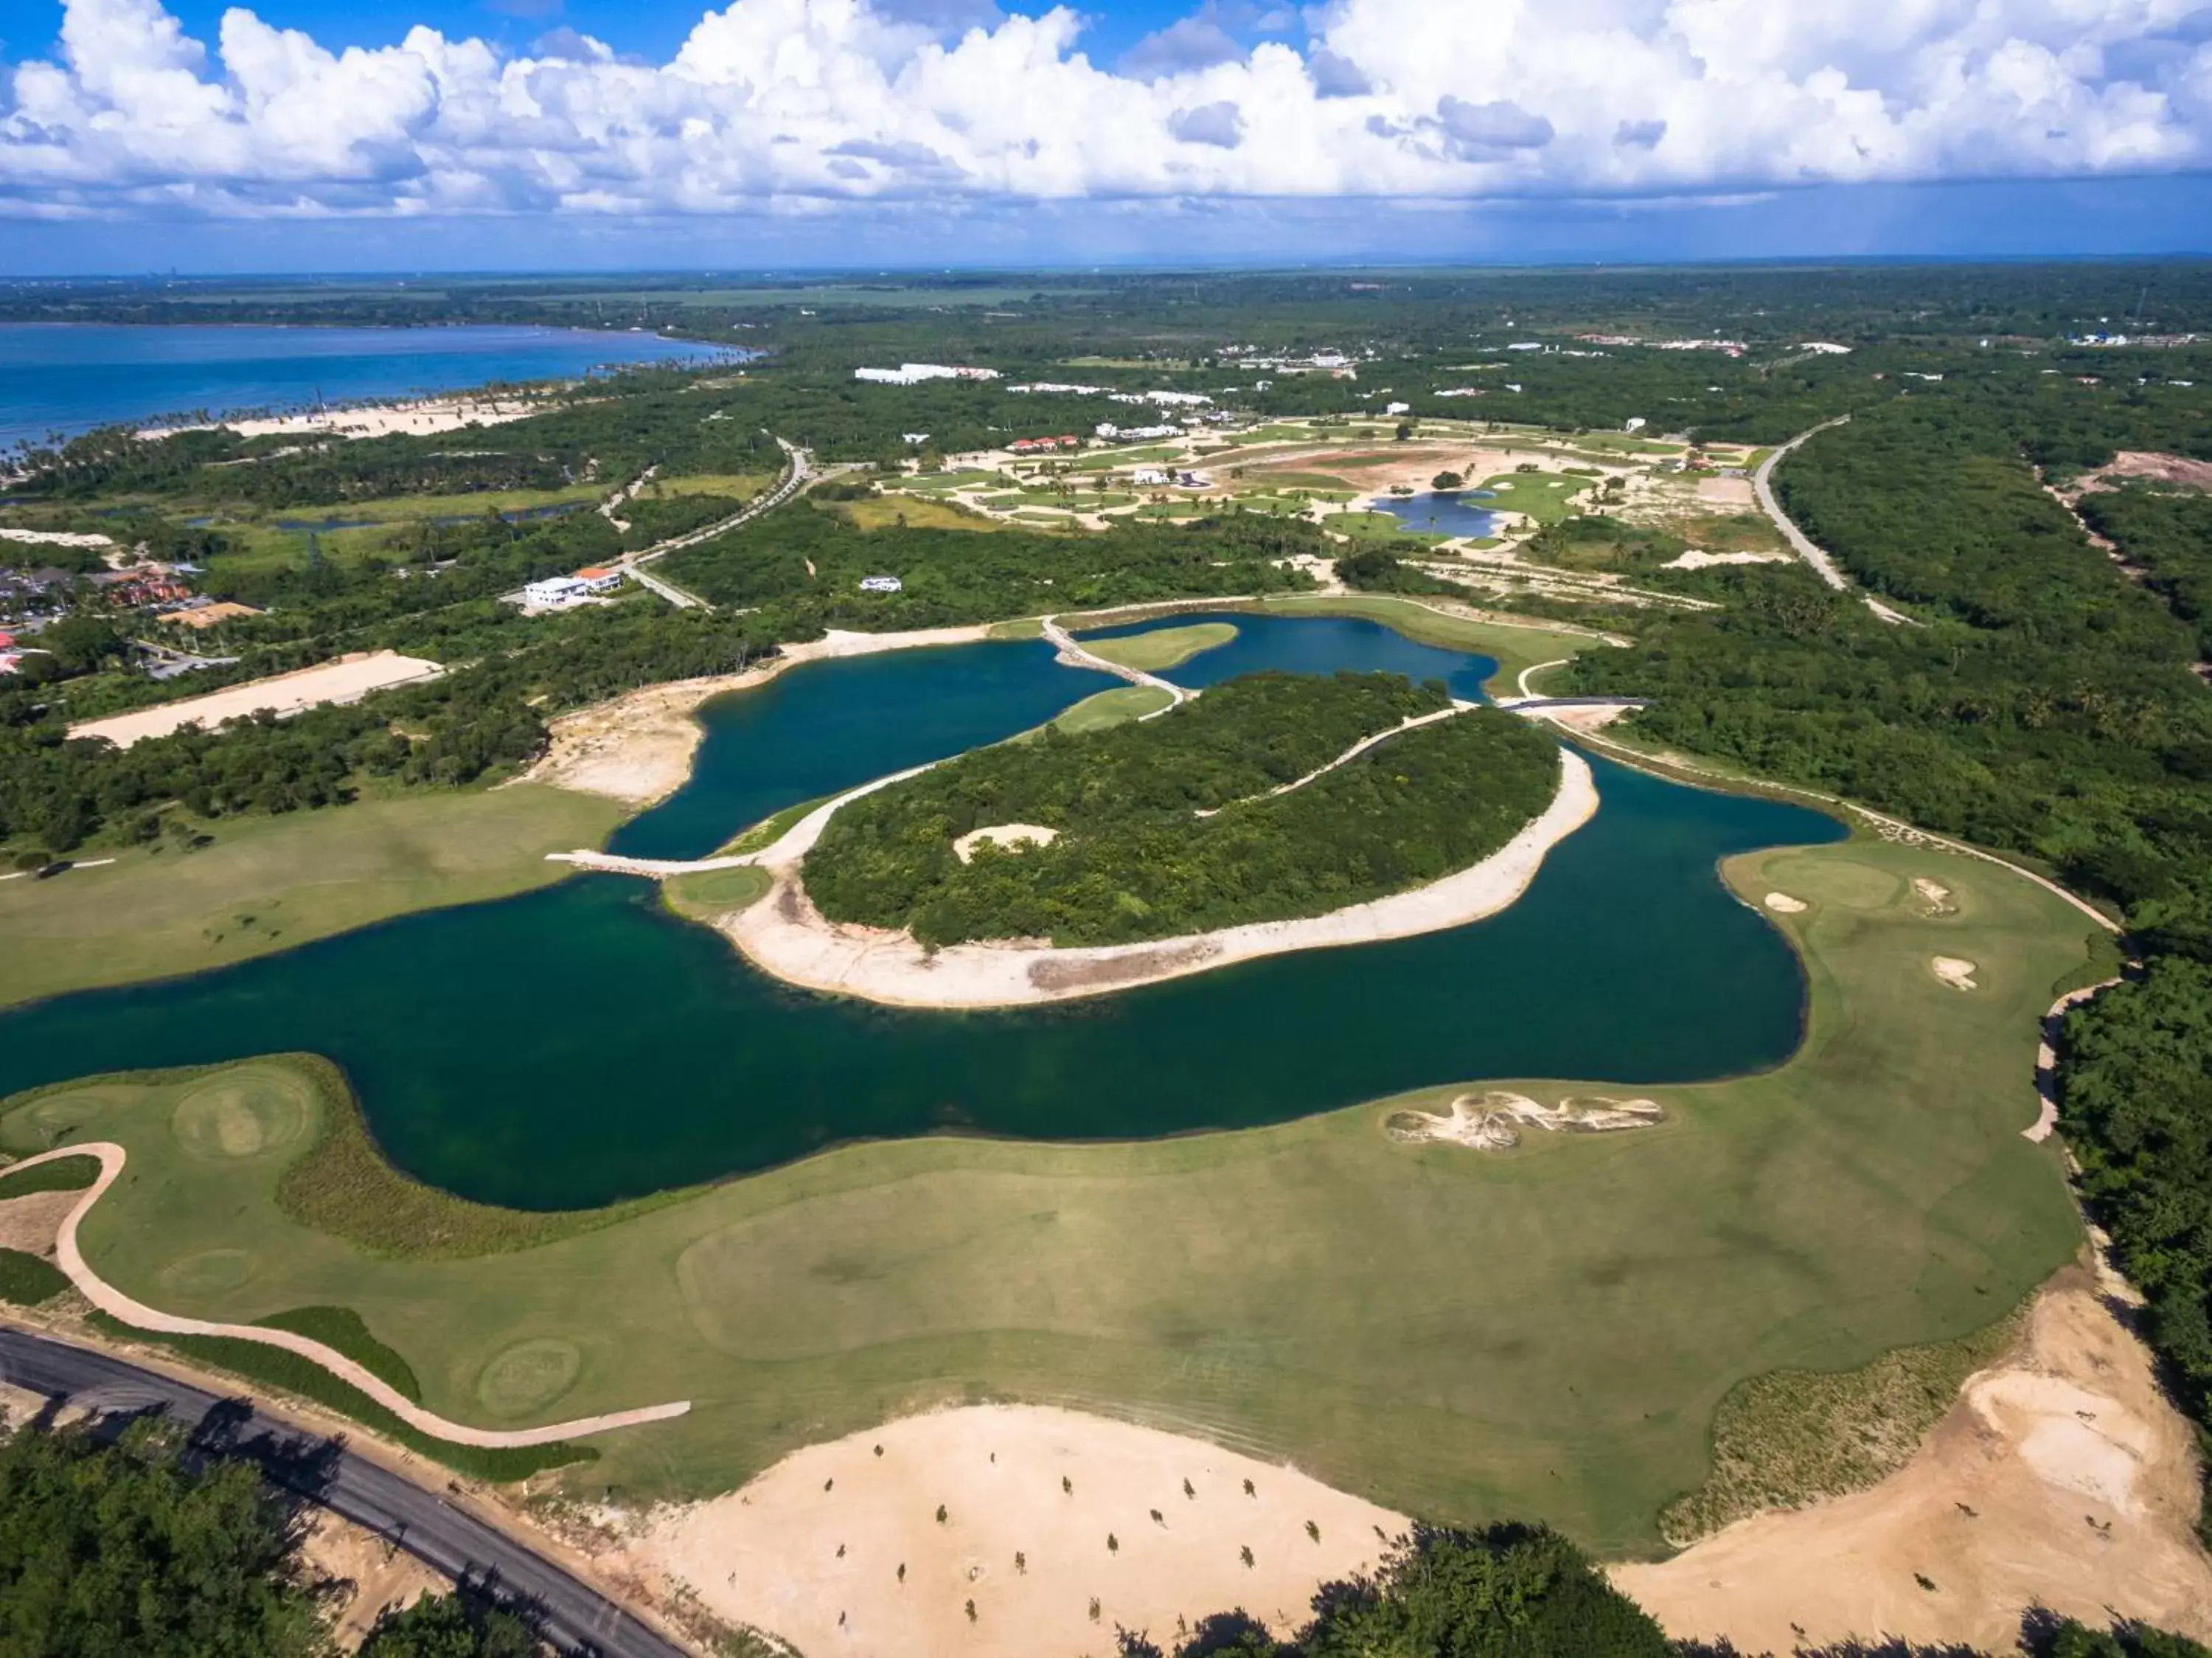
<point x="1057" y="388"/>
<point x="913" y="374"/>
<point x="1108" y="430"/>
<point x="1829" y="348"/>
<point x="1042" y="445"/>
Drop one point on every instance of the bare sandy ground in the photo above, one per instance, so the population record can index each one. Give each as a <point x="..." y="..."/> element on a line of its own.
<point x="1007" y="835"/>
<point x="1726" y="492"/>
<point x="348" y="679"/>
<point x="2061" y="1477"/>
<point x="1695" y="560"/>
<point x="813" y="1549"/>
<point x="367" y="1574"/>
<point x="421" y="419"/>
<point x="58" y="538"/>
<point x="785" y="935"/>
<point x="638" y="747"/>
<point x="30" y="1222"/>
<point x="2159" y="468"/>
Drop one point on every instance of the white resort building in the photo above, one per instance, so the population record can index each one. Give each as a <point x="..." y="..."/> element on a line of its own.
<point x="881" y="584"/>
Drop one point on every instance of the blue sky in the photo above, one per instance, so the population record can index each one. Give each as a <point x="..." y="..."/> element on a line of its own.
<point x="543" y="134"/>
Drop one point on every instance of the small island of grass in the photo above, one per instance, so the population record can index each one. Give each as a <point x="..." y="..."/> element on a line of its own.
<point x="1272" y="798"/>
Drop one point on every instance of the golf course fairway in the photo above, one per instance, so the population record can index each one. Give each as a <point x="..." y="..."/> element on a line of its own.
<point x="1541" y="1332"/>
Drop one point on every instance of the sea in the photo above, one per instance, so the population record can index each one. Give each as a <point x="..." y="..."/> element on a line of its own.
<point x="65" y="378"/>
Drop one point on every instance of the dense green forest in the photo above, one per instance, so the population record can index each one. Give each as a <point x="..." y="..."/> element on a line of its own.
<point x="1135" y="860"/>
<point x="134" y="1545"/>
<point x="960" y="575"/>
<point x="2166" y="534"/>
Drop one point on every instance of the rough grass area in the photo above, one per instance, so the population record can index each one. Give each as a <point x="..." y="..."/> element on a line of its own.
<point x="712" y="892"/>
<point x="66" y="1174"/>
<point x="342" y="1329"/>
<point x="915" y="512"/>
<point x="1790" y="1437"/>
<point x="1164" y="647"/>
<point x="770" y="829"/>
<point x="1115" y="707"/>
<point x="28" y="1281"/>
<point x="272" y="883"/>
<point x="272" y="1367"/>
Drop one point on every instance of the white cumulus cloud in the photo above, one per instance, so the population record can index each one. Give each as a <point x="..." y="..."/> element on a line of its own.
<point x="801" y="105"/>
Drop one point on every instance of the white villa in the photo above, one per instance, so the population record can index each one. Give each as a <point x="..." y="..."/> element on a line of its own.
<point x="881" y="584"/>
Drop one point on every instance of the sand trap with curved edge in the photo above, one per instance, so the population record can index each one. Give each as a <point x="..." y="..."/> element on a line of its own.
<point x="783" y="934"/>
<point x="811" y="1550"/>
<point x="1783" y="905"/>
<point x="1955" y="971"/>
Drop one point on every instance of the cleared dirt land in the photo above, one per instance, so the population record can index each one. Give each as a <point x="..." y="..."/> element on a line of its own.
<point x="1544" y="1332"/>
<point x="345" y="680"/>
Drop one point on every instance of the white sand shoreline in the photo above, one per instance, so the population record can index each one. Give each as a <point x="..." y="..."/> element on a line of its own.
<point x="784" y="935"/>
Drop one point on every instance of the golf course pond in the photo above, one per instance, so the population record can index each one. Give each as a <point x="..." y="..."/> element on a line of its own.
<point x="580" y="1044"/>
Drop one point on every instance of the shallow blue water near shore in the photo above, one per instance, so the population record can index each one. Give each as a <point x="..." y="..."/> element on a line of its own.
<point x="71" y="377"/>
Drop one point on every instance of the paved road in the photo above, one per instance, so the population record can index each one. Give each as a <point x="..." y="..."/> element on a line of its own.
<point x="575" y="1617"/>
<point x="798" y="470"/>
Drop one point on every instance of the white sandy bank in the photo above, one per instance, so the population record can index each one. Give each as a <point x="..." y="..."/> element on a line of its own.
<point x="785" y="935"/>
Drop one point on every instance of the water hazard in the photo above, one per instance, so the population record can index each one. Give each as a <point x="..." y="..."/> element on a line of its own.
<point x="580" y="1044"/>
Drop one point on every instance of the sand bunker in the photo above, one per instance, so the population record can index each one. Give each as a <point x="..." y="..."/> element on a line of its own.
<point x="1783" y="905"/>
<point x="882" y="1542"/>
<point x="1494" y="1121"/>
<point x="785" y="935"/>
<point x="347" y="679"/>
<point x="1955" y="971"/>
<point x="2061" y="1477"/>
<point x="1009" y="836"/>
<point x="1934" y="896"/>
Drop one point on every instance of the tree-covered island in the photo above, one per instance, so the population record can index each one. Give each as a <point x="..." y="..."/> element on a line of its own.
<point x="1183" y="824"/>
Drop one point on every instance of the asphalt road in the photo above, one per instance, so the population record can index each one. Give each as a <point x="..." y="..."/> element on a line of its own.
<point x="573" y="1616"/>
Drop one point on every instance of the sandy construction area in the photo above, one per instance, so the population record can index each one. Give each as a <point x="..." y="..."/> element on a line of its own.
<point x="348" y="679"/>
<point x="638" y="747"/>
<point x="420" y="419"/>
<point x="813" y="1550"/>
<point x="2061" y="1477"/>
<point x="785" y="935"/>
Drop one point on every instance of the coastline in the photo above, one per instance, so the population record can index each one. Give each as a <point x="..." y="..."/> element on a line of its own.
<point x="786" y="937"/>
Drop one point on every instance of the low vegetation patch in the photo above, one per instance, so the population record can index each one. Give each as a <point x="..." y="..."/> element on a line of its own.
<point x="341" y="1328"/>
<point x="62" y="1175"/>
<point x="1784" y="1439"/>
<point x="28" y="1281"/>
<point x="1175" y="826"/>
<point x="1162" y="647"/>
<point x="343" y="1186"/>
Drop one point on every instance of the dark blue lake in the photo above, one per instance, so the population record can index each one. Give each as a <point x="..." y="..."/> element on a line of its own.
<point x="580" y="1043"/>
<point x="1456" y="512"/>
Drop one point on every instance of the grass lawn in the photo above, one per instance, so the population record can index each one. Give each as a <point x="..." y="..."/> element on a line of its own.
<point x="1545" y="496"/>
<point x="1163" y="648"/>
<point x="1545" y="1333"/>
<point x="1115" y="707"/>
<point x="1378" y="527"/>
<point x="270" y="883"/>
<point x="733" y="486"/>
